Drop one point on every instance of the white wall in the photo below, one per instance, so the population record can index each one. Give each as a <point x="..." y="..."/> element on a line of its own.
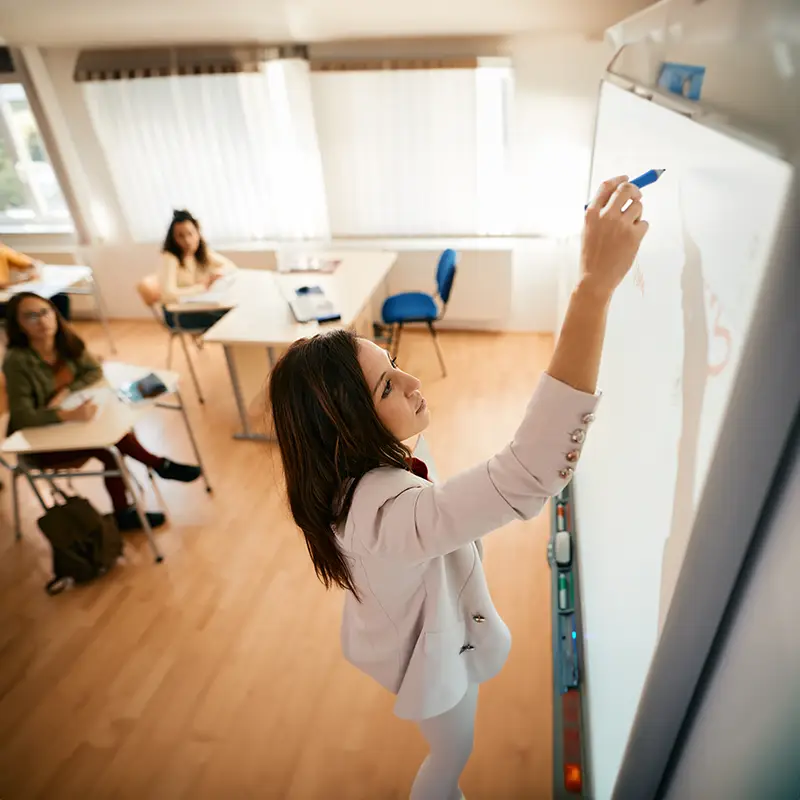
<point x="556" y="83"/>
<point x="51" y="72"/>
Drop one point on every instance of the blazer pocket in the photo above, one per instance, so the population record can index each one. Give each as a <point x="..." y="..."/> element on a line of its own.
<point x="448" y="642"/>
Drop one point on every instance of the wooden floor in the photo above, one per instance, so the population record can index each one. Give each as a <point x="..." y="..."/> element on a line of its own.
<point x="218" y="674"/>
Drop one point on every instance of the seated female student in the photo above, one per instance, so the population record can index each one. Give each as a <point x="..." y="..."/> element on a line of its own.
<point x="46" y="361"/>
<point x="190" y="266"/>
<point x="17" y="268"/>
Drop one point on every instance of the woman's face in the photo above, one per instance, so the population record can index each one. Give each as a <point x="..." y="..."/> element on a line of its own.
<point x="187" y="237"/>
<point x="37" y="318"/>
<point x="396" y="394"/>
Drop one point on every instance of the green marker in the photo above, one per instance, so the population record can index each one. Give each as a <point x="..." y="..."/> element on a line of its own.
<point x="562" y="591"/>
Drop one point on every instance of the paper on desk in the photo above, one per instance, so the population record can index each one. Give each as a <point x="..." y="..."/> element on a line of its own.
<point x="203" y="299"/>
<point x="42" y="288"/>
<point x="99" y="395"/>
<point x="216" y="294"/>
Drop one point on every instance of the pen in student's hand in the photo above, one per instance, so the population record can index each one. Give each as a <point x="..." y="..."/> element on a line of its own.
<point x="645" y="179"/>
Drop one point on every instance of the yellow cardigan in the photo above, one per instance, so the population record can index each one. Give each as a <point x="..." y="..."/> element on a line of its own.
<point x="11" y="259"/>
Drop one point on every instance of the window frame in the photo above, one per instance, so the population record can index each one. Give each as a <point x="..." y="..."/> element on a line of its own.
<point x="76" y="232"/>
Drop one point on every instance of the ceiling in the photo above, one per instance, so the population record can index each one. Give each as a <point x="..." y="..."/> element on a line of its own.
<point x="117" y="22"/>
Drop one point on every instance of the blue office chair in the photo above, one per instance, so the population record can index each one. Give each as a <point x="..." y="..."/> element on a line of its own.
<point x="421" y="307"/>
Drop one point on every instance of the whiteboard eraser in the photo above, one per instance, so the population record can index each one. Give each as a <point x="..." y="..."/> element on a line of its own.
<point x="563" y="548"/>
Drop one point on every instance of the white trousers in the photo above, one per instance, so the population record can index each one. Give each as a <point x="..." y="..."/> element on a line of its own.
<point x="450" y="737"/>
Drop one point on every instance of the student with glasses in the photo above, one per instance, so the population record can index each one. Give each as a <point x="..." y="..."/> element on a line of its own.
<point x="46" y="361"/>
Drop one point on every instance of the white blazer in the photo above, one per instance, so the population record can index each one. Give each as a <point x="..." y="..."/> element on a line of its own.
<point x="426" y="626"/>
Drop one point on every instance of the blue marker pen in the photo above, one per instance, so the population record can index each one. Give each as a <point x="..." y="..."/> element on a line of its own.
<point x="645" y="179"/>
<point x="651" y="176"/>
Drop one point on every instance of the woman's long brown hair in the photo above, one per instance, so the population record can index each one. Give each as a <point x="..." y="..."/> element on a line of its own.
<point x="171" y="246"/>
<point x="68" y="343"/>
<point x="329" y="436"/>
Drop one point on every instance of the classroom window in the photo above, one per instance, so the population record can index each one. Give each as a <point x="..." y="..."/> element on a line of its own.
<point x="31" y="200"/>
<point x="415" y="152"/>
<point x="238" y="150"/>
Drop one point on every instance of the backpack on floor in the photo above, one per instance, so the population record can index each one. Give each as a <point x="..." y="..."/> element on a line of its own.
<point x="85" y="543"/>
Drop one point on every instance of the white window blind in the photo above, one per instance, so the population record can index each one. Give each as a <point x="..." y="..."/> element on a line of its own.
<point x="415" y="152"/>
<point x="238" y="150"/>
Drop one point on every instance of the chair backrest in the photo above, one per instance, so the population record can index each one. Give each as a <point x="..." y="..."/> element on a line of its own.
<point x="445" y="273"/>
<point x="149" y="289"/>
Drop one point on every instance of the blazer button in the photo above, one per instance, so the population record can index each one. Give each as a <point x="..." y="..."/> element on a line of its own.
<point x="579" y="436"/>
<point x="465" y="648"/>
<point x="478" y="618"/>
<point x="588" y="419"/>
<point x="573" y="455"/>
<point x="565" y="473"/>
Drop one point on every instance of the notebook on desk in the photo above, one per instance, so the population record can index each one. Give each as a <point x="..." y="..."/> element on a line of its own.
<point x="309" y="303"/>
<point x="101" y="396"/>
<point x="215" y="296"/>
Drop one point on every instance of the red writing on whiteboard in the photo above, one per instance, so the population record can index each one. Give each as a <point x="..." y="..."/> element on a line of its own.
<point x="638" y="278"/>
<point x="719" y="333"/>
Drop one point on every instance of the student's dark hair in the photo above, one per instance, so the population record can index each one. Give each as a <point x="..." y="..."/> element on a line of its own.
<point x="329" y="436"/>
<point x="171" y="246"/>
<point x="68" y="343"/>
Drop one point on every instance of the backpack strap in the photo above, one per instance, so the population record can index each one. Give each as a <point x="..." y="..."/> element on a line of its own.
<point x="57" y="491"/>
<point x="36" y="491"/>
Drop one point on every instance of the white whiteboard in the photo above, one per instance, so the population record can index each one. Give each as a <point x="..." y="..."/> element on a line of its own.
<point x="674" y="342"/>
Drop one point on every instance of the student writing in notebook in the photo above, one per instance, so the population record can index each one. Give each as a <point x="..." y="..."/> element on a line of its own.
<point x="418" y="615"/>
<point x="190" y="267"/>
<point x="46" y="361"/>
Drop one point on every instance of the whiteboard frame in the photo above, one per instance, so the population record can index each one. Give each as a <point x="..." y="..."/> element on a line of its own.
<point x="763" y="405"/>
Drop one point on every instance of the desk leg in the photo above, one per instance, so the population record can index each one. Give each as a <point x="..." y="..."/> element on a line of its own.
<point x="247" y="432"/>
<point x="15" y="476"/>
<point x="192" y="439"/>
<point x="137" y="501"/>
<point x="101" y="312"/>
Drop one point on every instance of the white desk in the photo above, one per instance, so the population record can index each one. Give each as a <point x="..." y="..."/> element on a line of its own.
<point x="68" y="279"/>
<point x="111" y="424"/>
<point x="113" y="421"/>
<point x="261" y="322"/>
<point x="53" y="280"/>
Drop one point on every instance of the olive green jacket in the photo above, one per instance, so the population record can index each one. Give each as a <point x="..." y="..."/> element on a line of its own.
<point x="30" y="386"/>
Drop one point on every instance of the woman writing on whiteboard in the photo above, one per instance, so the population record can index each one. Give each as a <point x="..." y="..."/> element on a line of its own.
<point x="418" y="615"/>
<point x="46" y="361"/>
<point x="190" y="267"/>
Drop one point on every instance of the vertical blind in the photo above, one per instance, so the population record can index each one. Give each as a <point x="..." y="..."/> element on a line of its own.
<point x="416" y="151"/>
<point x="238" y="150"/>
